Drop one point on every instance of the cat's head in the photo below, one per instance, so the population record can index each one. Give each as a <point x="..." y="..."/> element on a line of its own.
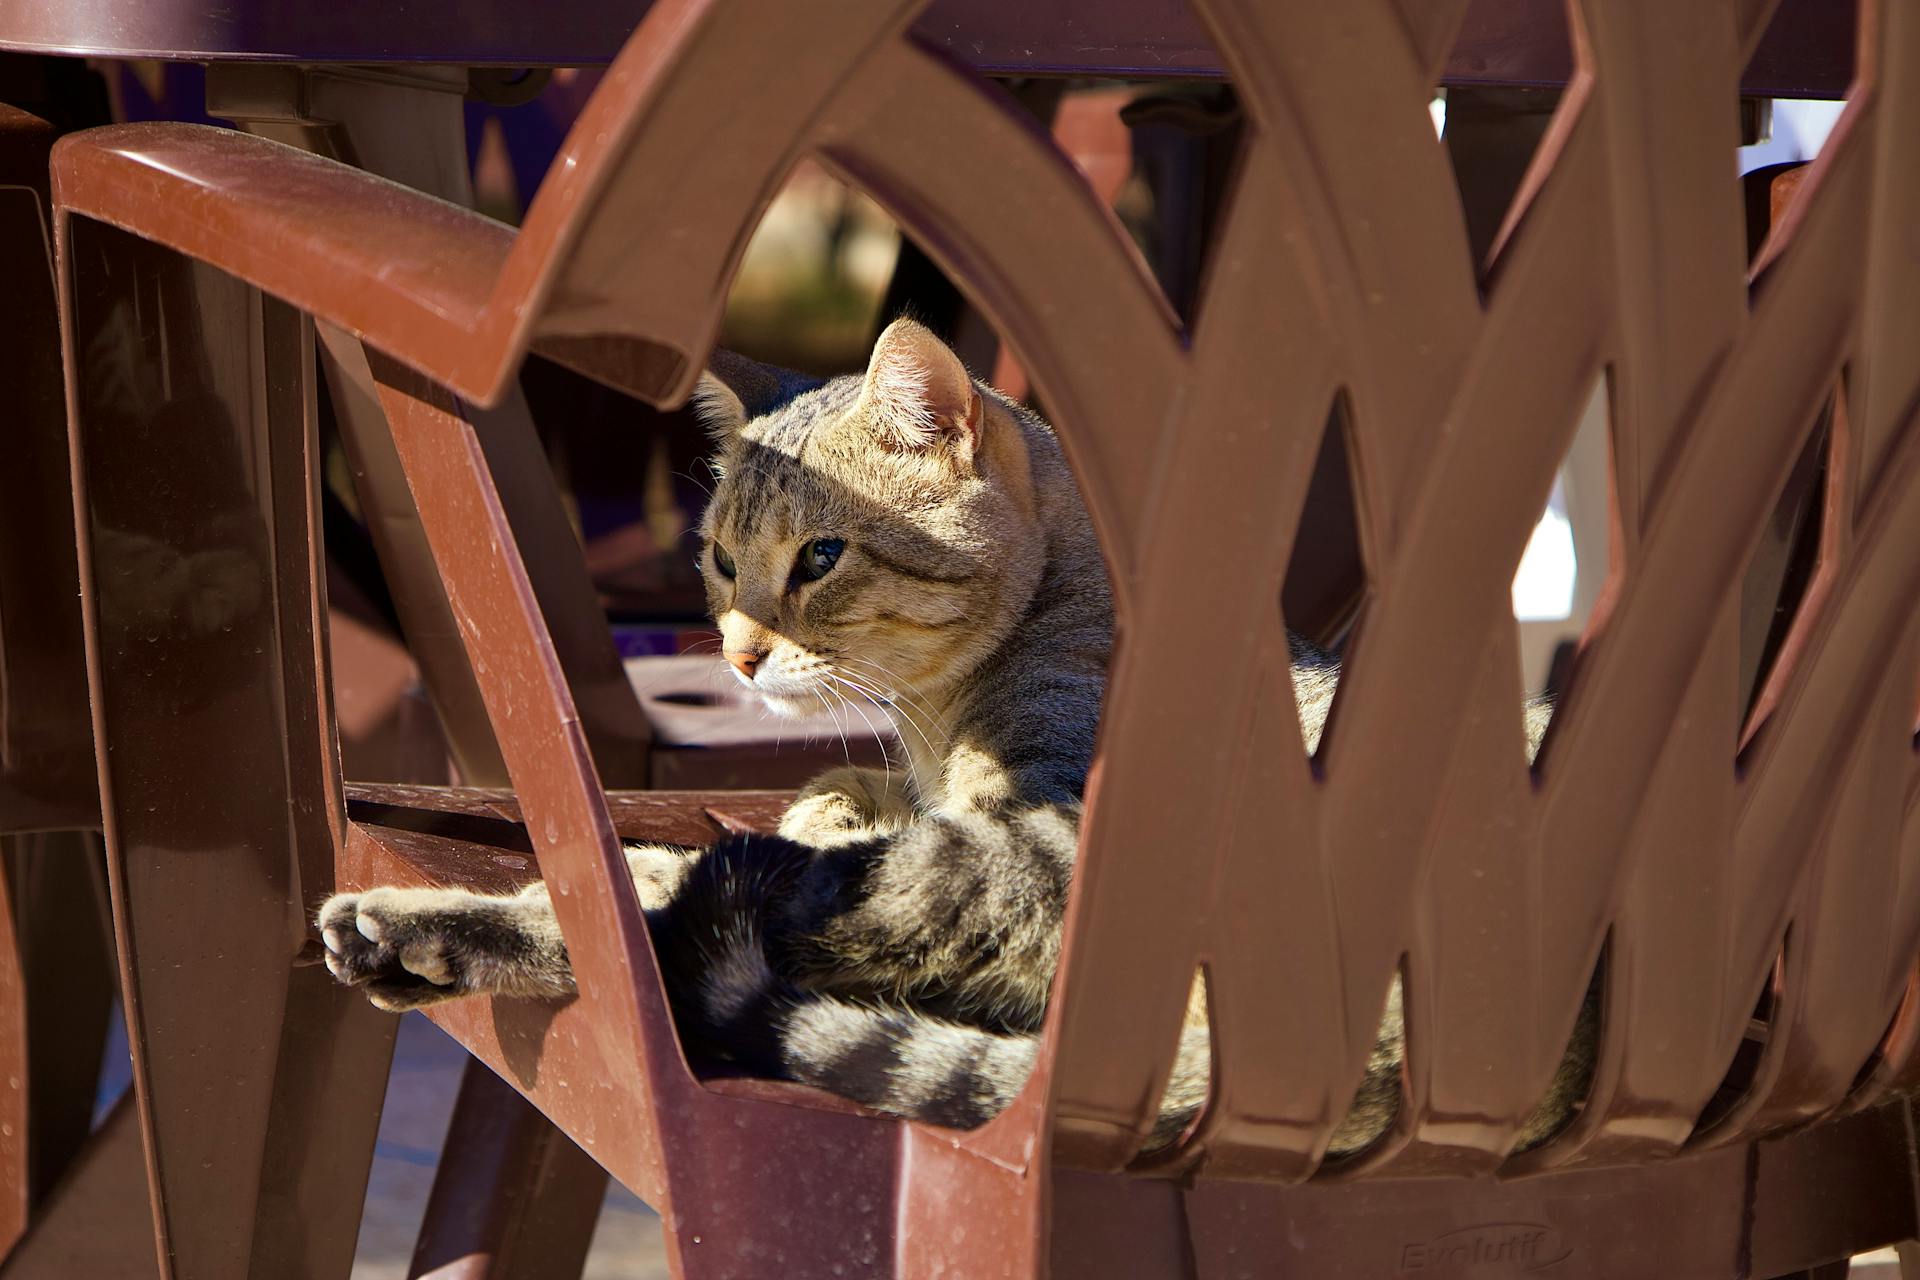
<point x="876" y="535"/>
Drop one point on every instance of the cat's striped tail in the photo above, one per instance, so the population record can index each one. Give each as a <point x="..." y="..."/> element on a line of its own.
<point x="731" y="1002"/>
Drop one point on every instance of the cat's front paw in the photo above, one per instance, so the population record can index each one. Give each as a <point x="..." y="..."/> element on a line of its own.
<point x="839" y="806"/>
<point x="412" y="947"/>
<point x="658" y="872"/>
<point x="371" y="955"/>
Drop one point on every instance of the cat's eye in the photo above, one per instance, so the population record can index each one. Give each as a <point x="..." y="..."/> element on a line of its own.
<point x="817" y="557"/>
<point x="722" y="561"/>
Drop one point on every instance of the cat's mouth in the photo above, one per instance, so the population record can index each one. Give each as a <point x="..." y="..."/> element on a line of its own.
<point x="789" y="706"/>
<point x="810" y="693"/>
<point x="789" y="696"/>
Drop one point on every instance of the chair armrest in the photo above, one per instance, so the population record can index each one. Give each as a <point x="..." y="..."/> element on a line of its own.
<point x="407" y="273"/>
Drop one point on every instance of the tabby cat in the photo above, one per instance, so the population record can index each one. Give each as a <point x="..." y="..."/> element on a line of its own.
<point x="909" y="538"/>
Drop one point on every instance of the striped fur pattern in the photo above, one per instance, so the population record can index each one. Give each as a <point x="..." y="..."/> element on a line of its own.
<point x="895" y="941"/>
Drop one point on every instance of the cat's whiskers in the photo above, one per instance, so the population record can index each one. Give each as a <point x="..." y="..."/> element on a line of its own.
<point x="903" y="713"/>
<point x="895" y="686"/>
<point x="902" y="697"/>
<point x="696" y="482"/>
<point x="845" y="749"/>
<point x="902" y="716"/>
<point x="886" y="759"/>
<point x="839" y="725"/>
<point x="886" y="756"/>
<point x="719" y="674"/>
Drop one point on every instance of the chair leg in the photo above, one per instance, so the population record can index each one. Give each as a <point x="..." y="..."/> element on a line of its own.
<point x="259" y="1080"/>
<point x="513" y="1199"/>
<point x="71" y="1237"/>
<point x="66" y="959"/>
<point x="56" y="994"/>
<point x="14" y="1154"/>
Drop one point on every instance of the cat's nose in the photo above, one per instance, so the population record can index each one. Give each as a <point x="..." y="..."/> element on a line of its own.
<point x="745" y="661"/>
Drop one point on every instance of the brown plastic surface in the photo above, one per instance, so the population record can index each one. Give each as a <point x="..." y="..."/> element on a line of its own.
<point x="63" y="957"/>
<point x="221" y="809"/>
<point x="46" y="737"/>
<point x="14" y="1175"/>
<point x="56" y="979"/>
<point x="24" y="142"/>
<point x="1501" y="42"/>
<point x="91" y="1226"/>
<point x="1418" y="841"/>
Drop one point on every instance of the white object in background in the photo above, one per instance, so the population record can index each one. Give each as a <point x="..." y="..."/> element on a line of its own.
<point x="1543" y="586"/>
<point x="1800" y="129"/>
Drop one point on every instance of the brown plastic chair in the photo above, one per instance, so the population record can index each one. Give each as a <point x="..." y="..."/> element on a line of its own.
<point x="1693" y="853"/>
<point x="68" y="1199"/>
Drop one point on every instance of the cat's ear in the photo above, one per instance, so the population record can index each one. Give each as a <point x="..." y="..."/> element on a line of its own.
<point x="918" y="391"/>
<point x="718" y="408"/>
